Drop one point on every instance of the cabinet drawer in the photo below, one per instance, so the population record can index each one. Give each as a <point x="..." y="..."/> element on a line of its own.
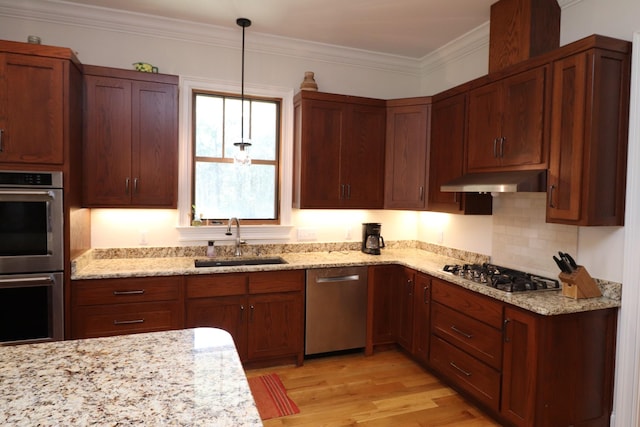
<point x="119" y="319"/>
<point x="116" y="291"/>
<point x="470" y="335"/>
<point x="216" y="285"/>
<point x="468" y="302"/>
<point x="276" y="281"/>
<point x="480" y="380"/>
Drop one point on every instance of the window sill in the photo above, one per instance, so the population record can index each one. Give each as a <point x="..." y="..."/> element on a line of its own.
<point x="250" y="233"/>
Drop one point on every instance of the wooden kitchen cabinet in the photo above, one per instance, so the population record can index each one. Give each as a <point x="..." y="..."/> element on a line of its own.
<point x="381" y="304"/>
<point x="558" y="370"/>
<point x="589" y="127"/>
<point x="37" y="92"/>
<point x="405" y="290"/>
<point x="421" y="318"/>
<point x="108" y="307"/>
<point x="466" y="344"/>
<point x="131" y="139"/>
<point x="263" y="312"/>
<point x="446" y="159"/>
<point x="506" y="120"/>
<point x="338" y="151"/>
<point x="407" y="147"/>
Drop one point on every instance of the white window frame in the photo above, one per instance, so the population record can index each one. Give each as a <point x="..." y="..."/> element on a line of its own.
<point x="255" y="233"/>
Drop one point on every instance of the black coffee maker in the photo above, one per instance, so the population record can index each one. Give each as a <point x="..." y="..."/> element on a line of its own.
<point x="372" y="241"/>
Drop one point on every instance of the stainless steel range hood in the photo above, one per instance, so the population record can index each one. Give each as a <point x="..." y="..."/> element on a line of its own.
<point x="499" y="182"/>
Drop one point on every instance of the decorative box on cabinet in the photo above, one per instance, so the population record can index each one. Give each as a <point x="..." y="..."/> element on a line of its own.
<point x="589" y="128"/>
<point x="262" y="311"/>
<point x="131" y="138"/>
<point x="448" y="124"/>
<point x="338" y="151"/>
<point x="123" y="306"/>
<point x="407" y="147"/>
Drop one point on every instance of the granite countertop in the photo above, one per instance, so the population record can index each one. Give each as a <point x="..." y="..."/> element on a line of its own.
<point x="544" y="302"/>
<point x="179" y="378"/>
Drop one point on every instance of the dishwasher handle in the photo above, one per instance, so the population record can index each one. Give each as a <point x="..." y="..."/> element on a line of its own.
<point x="349" y="278"/>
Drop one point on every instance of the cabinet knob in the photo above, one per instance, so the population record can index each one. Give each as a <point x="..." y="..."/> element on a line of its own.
<point x="1" y="140"/>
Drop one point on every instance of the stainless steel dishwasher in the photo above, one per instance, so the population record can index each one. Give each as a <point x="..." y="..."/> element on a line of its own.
<point x="336" y="309"/>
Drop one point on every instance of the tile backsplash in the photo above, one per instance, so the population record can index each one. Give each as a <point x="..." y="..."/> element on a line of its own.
<point x="521" y="237"/>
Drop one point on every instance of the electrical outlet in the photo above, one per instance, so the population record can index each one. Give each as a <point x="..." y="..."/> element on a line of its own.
<point x="306" y="234"/>
<point x="347" y="233"/>
<point x="143" y="238"/>
<point x="440" y="237"/>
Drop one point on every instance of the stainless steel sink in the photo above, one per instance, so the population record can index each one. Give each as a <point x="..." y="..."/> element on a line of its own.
<point x="238" y="261"/>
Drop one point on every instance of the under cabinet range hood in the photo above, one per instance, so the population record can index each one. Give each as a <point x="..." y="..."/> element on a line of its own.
<point x="499" y="182"/>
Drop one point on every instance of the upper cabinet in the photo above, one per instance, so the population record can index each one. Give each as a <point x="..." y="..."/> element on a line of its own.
<point x="34" y="103"/>
<point x="131" y="139"/>
<point x="407" y="146"/>
<point x="506" y="123"/>
<point x="338" y="151"/>
<point x="586" y="183"/>
<point x="448" y="119"/>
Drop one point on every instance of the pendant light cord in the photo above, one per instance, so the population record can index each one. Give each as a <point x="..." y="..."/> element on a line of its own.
<point x="244" y="23"/>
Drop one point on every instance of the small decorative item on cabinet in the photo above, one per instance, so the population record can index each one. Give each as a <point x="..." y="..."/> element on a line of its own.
<point x="309" y="82"/>
<point x="579" y="284"/>
<point x="145" y="67"/>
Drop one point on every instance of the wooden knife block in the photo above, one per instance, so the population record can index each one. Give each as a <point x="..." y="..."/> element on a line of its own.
<point x="579" y="284"/>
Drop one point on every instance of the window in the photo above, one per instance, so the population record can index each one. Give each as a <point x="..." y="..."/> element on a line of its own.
<point x="222" y="189"/>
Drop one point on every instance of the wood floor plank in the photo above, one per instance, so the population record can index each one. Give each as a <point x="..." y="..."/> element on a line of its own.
<point x="386" y="389"/>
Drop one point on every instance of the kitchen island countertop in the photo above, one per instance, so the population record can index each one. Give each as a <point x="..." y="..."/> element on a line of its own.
<point x="543" y="302"/>
<point x="178" y="378"/>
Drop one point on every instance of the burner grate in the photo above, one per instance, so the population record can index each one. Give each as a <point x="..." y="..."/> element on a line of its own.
<point x="502" y="278"/>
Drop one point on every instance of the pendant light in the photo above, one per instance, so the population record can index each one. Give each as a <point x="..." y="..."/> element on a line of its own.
<point x="242" y="155"/>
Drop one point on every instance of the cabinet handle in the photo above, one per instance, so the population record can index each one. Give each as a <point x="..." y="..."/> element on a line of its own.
<point x="424" y="294"/>
<point x="251" y="316"/>
<point x="504" y="329"/>
<point x="421" y="192"/>
<point x="454" y="328"/>
<point x="502" y="140"/>
<point x="466" y="373"/>
<point x="135" y="292"/>
<point x="1" y="140"/>
<point x="342" y="191"/>
<point x="410" y="287"/>
<point x="552" y="187"/>
<point x="495" y="147"/>
<point x="455" y="197"/>
<point x="135" y="185"/>
<point x="126" y="185"/>
<point x="127" y="322"/>
<point x="348" y="191"/>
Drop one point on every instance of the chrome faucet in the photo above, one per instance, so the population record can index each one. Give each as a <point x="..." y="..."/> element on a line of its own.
<point x="239" y="241"/>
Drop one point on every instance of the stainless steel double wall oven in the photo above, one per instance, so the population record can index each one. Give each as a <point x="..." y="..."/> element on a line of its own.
<point x="31" y="257"/>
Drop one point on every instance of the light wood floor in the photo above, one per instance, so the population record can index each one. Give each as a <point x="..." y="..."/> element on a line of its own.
<point x="383" y="390"/>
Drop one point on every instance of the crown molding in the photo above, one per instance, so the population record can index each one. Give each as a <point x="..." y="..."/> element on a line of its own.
<point x="73" y="14"/>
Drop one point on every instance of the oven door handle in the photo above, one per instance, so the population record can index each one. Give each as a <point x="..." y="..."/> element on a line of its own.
<point x="29" y="281"/>
<point x="48" y="194"/>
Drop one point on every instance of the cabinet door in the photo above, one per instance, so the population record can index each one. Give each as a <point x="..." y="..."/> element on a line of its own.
<point x="362" y="157"/>
<point x="520" y="357"/>
<point x="446" y="157"/>
<point x="421" y="317"/>
<point x="321" y="135"/>
<point x="154" y="150"/>
<point x="405" y="291"/>
<point x="228" y="313"/>
<point x="406" y="156"/>
<point x="484" y="127"/>
<point x="275" y="325"/>
<point x="381" y="303"/>
<point x="31" y="109"/>
<point x="107" y="142"/>
<point x="522" y="139"/>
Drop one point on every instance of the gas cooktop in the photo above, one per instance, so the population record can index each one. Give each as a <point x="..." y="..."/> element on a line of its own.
<point x="503" y="278"/>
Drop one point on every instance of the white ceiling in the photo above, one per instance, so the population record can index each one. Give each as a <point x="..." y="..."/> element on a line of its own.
<point x="409" y="28"/>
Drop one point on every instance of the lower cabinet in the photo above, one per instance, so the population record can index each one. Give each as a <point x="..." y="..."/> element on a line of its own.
<point x="526" y="369"/>
<point x="123" y="306"/>
<point x="264" y="312"/>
